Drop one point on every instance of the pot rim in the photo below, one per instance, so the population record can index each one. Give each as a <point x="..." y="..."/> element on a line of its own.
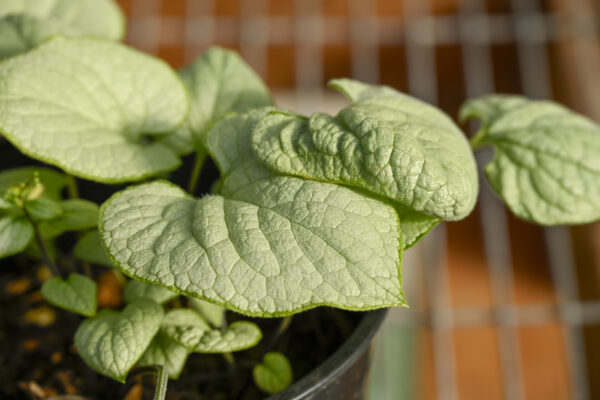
<point x="342" y="359"/>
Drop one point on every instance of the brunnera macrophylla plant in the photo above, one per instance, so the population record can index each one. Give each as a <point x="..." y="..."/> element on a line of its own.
<point x="308" y="211"/>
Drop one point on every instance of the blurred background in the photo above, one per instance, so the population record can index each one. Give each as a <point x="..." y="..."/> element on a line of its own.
<point x="500" y="309"/>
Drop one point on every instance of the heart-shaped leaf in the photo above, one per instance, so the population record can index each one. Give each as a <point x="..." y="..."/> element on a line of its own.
<point x="26" y="23"/>
<point x="16" y="232"/>
<point x="89" y="248"/>
<point x="93" y="108"/>
<point x="269" y="246"/>
<point x="188" y="329"/>
<point x="218" y="82"/>
<point x="136" y="289"/>
<point x="274" y="374"/>
<point x="112" y="342"/>
<point x="546" y="165"/>
<point x="165" y="351"/>
<point x="76" y="294"/>
<point x="397" y="147"/>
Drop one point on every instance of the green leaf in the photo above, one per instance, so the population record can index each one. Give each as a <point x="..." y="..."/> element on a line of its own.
<point x="77" y="215"/>
<point x="546" y="165"/>
<point x="398" y="147"/>
<point x="76" y="294"/>
<point x="93" y="108"/>
<point x="167" y="352"/>
<point x="269" y="246"/>
<point x="16" y="232"/>
<point x="43" y="209"/>
<point x="357" y="91"/>
<point x="211" y="313"/>
<point x="184" y="317"/>
<point x="240" y="335"/>
<point x="112" y="342"/>
<point x="89" y="248"/>
<point x="218" y="82"/>
<point x="53" y="181"/>
<point x="26" y="23"/>
<point x="136" y="289"/>
<point x="274" y="374"/>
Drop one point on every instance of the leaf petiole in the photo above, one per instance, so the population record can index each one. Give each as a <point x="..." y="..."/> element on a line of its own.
<point x="198" y="163"/>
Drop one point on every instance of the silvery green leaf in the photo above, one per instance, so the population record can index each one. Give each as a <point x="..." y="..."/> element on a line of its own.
<point x="267" y="246"/>
<point x="112" y="342"/>
<point x="89" y="248"/>
<point x="238" y="336"/>
<point x="398" y="147"/>
<point x="16" y="232"/>
<point x="218" y="82"/>
<point x="165" y="351"/>
<point x="76" y="294"/>
<point x="77" y="215"/>
<point x="136" y="289"/>
<point x="26" y="23"/>
<point x="211" y="313"/>
<point x="93" y="108"/>
<point x="356" y="90"/>
<point x="274" y="374"/>
<point x="546" y="165"/>
<point x="53" y="181"/>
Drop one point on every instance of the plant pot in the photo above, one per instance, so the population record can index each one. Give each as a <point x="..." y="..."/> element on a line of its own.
<point x="343" y="375"/>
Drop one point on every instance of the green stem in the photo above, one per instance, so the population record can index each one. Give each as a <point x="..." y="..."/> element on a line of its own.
<point x="72" y="187"/>
<point x="478" y="140"/>
<point x="40" y="242"/>
<point x="162" y="381"/>
<point x="199" y="161"/>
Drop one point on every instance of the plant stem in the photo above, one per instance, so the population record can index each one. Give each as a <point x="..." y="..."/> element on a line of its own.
<point x="162" y="381"/>
<point x="40" y="242"/>
<point x="283" y="326"/>
<point x="477" y="140"/>
<point x="72" y="187"/>
<point x="199" y="161"/>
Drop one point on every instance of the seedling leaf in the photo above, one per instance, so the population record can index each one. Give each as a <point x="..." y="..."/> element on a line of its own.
<point x="76" y="294"/>
<point x="274" y="374"/>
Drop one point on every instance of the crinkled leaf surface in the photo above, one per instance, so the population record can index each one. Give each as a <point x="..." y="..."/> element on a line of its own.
<point x="356" y="90"/>
<point x="218" y="82"/>
<point x="268" y="246"/>
<point x="396" y="147"/>
<point x="238" y="336"/>
<point x="136" y="289"/>
<point x="77" y="294"/>
<point x="89" y="248"/>
<point x="16" y="232"/>
<point x="112" y="342"/>
<point x="211" y="313"/>
<point x="93" y="108"/>
<point x="77" y="215"/>
<point x="167" y="352"/>
<point x="26" y="23"/>
<point x="546" y="165"/>
<point x="274" y="374"/>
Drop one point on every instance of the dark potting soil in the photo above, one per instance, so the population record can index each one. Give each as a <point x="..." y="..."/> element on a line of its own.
<point x="38" y="356"/>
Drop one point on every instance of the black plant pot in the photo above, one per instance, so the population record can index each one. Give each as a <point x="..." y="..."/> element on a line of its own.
<point x="343" y="375"/>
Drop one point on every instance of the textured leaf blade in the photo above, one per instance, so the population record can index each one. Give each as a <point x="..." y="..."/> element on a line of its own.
<point x="89" y="248"/>
<point x="167" y="352"/>
<point x="218" y="82"/>
<point x="112" y="342"/>
<point x="546" y="165"/>
<point x="396" y="147"/>
<point x="26" y="23"/>
<point x="270" y="246"/>
<point x="136" y="289"/>
<point x="16" y="232"/>
<point x="100" y="125"/>
<point x="211" y="313"/>
<point x="76" y="294"/>
<point x="274" y="374"/>
<point x="240" y="335"/>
